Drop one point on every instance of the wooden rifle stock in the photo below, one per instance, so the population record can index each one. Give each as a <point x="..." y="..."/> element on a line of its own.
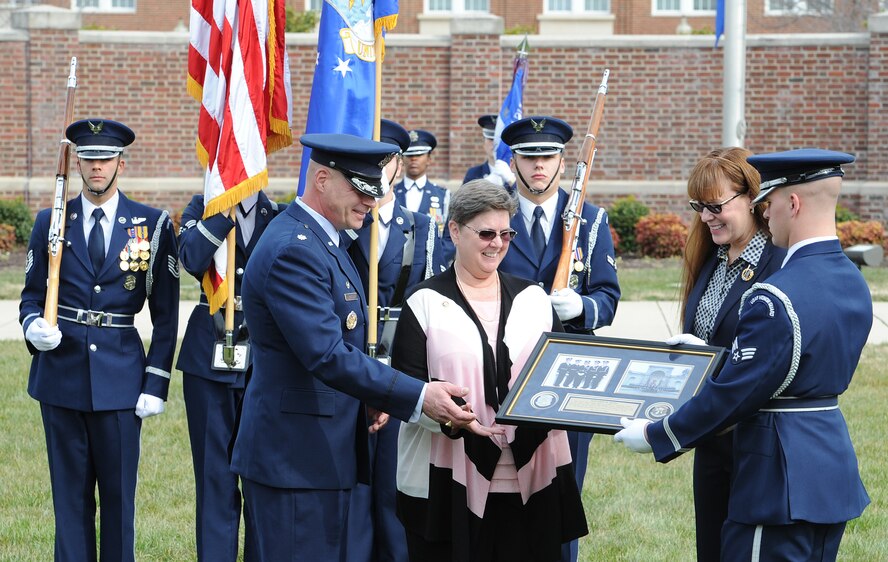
<point x="59" y="205"/>
<point x="573" y="213"/>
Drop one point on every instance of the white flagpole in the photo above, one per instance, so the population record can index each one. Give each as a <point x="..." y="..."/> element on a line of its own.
<point x="734" y="93"/>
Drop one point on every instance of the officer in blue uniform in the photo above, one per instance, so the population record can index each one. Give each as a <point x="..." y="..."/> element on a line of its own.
<point x="302" y="443"/>
<point x="90" y="373"/>
<point x="490" y="170"/>
<point x="213" y="391"/>
<point x="590" y="302"/>
<point x="409" y="252"/>
<point x="798" y="341"/>
<point x="415" y="191"/>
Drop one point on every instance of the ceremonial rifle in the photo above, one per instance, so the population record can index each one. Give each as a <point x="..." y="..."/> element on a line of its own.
<point x="573" y="213"/>
<point x="59" y="205"/>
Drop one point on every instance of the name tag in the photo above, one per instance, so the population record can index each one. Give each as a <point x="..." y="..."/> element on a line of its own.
<point x="351" y="297"/>
<point x="241" y="357"/>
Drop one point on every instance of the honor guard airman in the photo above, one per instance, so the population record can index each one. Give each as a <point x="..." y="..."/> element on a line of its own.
<point x="798" y="340"/>
<point x="590" y="302"/>
<point x="302" y="444"/>
<point x="213" y="390"/>
<point x="415" y="191"/>
<point x="90" y="373"/>
<point x="490" y="170"/>
<point x="409" y="252"/>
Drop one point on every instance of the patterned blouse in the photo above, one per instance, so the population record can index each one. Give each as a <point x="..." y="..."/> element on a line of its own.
<point x="722" y="280"/>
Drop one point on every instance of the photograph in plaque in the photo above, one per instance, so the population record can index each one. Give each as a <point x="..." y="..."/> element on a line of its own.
<point x="587" y="383"/>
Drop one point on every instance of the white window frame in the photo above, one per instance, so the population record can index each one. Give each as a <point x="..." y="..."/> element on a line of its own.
<point x="686" y="8"/>
<point x="801" y="9"/>
<point x="578" y="7"/>
<point x="104" y="7"/>
<point x="456" y="7"/>
<point x="310" y="8"/>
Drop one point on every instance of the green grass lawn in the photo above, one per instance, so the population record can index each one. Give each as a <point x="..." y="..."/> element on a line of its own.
<point x="637" y="510"/>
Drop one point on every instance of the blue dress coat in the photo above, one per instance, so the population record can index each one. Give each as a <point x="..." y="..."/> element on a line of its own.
<point x="303" y="424"/>
<point x="476" y="172"/>
<point x="435" y="202"/>
<point x="713" y="459"/>
<point x="799" y="338"/>
<point x="598" y="284"/>
<point x="104" y="368"/>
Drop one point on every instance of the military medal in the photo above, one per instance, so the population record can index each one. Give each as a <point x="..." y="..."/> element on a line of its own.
<point x="143" y="266"/>
<point x="578" y="266"/>
<point x="144" y="245"/>
<point x="574" y="280"/>
<point x="144" y="255"/>
<point x="124" y="255"/>
<point x="134" y="266"/>
<point x="351" y="320"/>
<point x="747" y="273"/>
<point x="124" y="265"/>
<point x="129" y="282"/>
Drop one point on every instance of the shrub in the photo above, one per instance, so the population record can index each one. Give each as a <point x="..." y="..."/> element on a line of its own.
<point x="7" y="237"/>
<point x="624" y="215"/>
<point x="615" y="237"/>
<point x="661" y="235"/>
<point x="860" y="232"/>
<point x="14" y="212"/>
<point x="301" y="22"/>
<point x="843" y="214"/>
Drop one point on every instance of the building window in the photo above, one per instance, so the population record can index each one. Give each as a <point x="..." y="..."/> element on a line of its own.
<point x="313" y="5"/>
<point x="579" y="6"/>
<point x="798" y="7"/>
<point x="683" y="7"/>
<point x="104" y="5"/>
<point x="457" y="6"/>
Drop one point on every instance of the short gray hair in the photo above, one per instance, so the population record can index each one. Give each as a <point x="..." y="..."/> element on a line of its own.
<point x="480" y="196"/>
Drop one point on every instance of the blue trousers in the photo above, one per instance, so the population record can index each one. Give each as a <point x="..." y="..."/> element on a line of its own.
<point x="86" y="449"/>
<point x="799" y="542"/>
<point x="211" y="409"/>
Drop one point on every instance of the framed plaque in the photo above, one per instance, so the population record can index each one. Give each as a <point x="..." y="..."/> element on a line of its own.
<point x="587" y="383"/>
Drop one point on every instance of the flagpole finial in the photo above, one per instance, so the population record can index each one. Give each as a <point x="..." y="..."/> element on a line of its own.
<point x="523" y="47"/>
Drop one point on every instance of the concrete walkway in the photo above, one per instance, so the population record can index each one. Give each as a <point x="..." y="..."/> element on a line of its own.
<point x="640" y="320"/>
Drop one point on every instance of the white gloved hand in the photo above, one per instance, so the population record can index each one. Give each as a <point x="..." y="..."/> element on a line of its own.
<point x="493" y="177"/>
<point x="502" y="169"/>
<point x="148" y="405"/>
<point x="632" y="435"/>
<point x="43" y="336"/>
<point x="568" y="304"/>
<point x="684" y="338"/>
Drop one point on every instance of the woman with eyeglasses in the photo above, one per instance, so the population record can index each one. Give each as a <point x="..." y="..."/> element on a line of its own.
<point x="481" y="492"/>
<point x="729" y="248"/>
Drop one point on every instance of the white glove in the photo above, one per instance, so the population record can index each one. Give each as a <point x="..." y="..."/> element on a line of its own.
<point x="43" y="336"/>
<point x="633" y="435"/>
<point x="502" y="169"/>
<point x="148" y="405"/>
<point x="684" y="338"/>
<point x="568" y="303"/>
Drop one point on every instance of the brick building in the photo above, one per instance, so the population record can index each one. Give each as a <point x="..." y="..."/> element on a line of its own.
<point x="663" y="110"/>
<point x="546" y="17"/>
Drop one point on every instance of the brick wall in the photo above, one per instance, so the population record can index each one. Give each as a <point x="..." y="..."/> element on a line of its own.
<point x="663" y="109"/>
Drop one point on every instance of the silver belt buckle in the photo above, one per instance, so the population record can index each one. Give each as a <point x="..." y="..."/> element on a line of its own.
<point x="90" y="317"/>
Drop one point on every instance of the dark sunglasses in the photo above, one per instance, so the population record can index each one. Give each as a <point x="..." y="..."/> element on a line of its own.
<point x="714" y="208"/>
<point x="488" y="235"/>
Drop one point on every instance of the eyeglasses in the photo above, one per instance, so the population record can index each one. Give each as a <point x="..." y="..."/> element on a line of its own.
<point x="488" y="235"/>
<point x="714" y="208"/>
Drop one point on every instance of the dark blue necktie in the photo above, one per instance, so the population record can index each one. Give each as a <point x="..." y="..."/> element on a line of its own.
<point x="96" y="244"/>
<point x="536" y="233"/>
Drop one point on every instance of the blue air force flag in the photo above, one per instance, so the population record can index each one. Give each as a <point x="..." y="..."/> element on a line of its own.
<point x="513" y="106"/>
<point x="343" y="91"/>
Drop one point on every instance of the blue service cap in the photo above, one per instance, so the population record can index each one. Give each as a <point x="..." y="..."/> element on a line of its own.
<point x="99" y="139"/>
<point x="488" y="125"/>
<point x="537" y="136"/>
<point x="392" y="133"/>
<point x="421" y="142"/>
<point x="779" y="169"/>
<point x="360" y="160"/>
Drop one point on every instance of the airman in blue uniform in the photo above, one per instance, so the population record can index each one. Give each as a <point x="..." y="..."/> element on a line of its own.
<point x="489" y="169"/>
<point x="798" y="341"/>
<point x="90" y="373"/>
<point x="212" y="390"/>
<point x="415" y="191"/>
<point x="590" y="301"/>
<point x="409" y="252"/>
<point x="302" y="443"/>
